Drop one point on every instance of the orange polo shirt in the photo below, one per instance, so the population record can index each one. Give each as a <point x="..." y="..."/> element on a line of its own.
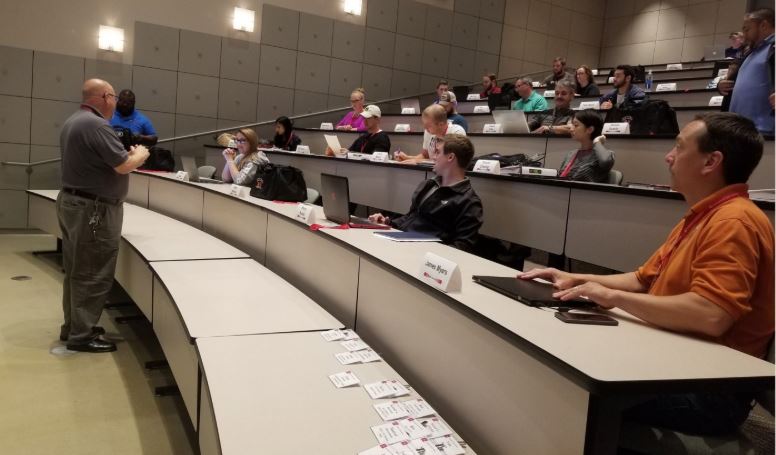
<point x="727" y="258"/>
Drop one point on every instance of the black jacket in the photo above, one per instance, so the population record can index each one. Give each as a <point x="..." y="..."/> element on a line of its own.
<point x="287" y="143"/>
<point x="452" y="213"/>
<point x="369" y="143"/>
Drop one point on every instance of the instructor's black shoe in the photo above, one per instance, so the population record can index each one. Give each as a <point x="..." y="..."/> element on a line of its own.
<point x="97" y="330"/>
<point x="96" y="345"/>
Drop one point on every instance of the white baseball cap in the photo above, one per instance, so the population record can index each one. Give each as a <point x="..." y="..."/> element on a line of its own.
<point x="371" y="111"/>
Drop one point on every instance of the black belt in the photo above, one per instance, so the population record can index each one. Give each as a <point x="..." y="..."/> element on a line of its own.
<point x="93" y="197"/>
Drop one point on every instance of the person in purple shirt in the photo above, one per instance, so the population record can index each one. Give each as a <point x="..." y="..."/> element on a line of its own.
<point x="353" y="121"/>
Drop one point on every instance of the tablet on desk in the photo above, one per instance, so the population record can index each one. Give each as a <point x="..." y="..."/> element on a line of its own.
<point x="528" y="292"/>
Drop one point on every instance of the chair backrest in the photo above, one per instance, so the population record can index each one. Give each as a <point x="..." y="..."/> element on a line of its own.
<point x="615" y="177"/>
<point x="312" y="195"/>
<point x="206" y="171"/>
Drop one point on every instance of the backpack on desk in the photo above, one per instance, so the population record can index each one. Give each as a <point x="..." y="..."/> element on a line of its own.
<point x="276" y="182"/>
<point x="653" y="117"/>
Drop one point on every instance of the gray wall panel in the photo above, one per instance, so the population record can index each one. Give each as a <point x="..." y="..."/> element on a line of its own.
<point x="492" y="10"/>
<point x="119" y="75"/>
<point x="57" y="77"/>
<point x="156" y="46"/>
<point x="239" y="60"/>
<point x="461" y="64"/>
<point x="237" y="100"/>
<point x="377" y="82"/>
<point x="348" y="41"/>
<point x="200" y="53"/>
<point x="279" y="27"/>
<point x="315" y="34"/>
<point x="489" y="37"/>
<point x="155" y="89"/>
<point x="465" y="31"/>
<point x="439" y="25"/>
<point x="47" y="119"/>
<point x="382" y="14"/>
<point x="470" y="7"/>
<point x="436" y="59"/>
<point x="404" y="83"/>
<point x="45" y="176"/>
<point x="274" y="102"/>
<point x="278" y="67"/>
<point x="411" y="19"/>
<point x="13" y="209"/>
<point x="15" y="71"/>
<point x="15" y="119"/>
<point x="308" y="102"/>
<point x="408" y="54"/>
<point x="312" y="73"/>
<point x="379" y="47"/>
<point x="197" y="95"/>
<point x="14" y="177"/>
<point x="345" y="77"/>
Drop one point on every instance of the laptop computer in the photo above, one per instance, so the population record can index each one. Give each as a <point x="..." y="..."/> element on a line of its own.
<point x="715" y="52"/>
<point x="190" y="166"/>
<point x="512" y="122"/>
<point x="528" y="292"/>
<point x="336" y="203"/>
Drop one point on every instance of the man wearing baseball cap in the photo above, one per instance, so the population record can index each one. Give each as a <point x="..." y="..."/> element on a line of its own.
<point x="373" y="139"/>
<point x="448" y="101"/>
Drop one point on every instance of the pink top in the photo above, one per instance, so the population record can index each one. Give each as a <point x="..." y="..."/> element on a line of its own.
<point x="354" y="120"/>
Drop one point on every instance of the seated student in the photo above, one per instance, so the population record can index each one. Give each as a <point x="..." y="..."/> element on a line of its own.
<point x="241" y="169"/>
<point x="558" y="73"/>
<point x="285" y="138"/>
<point x="126" y="116"/>
<point x="592" y="161"/>
<point x="373" y="139"/>
<point x="626" y="94"/>
<point x="586" y="82"/>
<point x="435" y="124"/>
<point x="353" y="120"/>
<point x="448" y="101"/>
<point x="736" y="48"/>
<point x="713" y="277"/>
<point x="446" y="206"/>
<point x="558" y="119"/>
<point x="489" y="86"/>
<point x="529" y="101"/>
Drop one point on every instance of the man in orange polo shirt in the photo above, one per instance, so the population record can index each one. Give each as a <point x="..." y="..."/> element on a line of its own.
<point x="713" y="277"/>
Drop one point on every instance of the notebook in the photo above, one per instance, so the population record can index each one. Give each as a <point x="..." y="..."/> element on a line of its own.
<point x="528" y="292"/>
<point x="408" y="236"/>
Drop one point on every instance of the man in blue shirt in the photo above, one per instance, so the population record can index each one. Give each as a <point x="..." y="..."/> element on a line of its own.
<point x="126" y="116"/>
<point x="626" y="95"/>
<point x="753" y="89"/>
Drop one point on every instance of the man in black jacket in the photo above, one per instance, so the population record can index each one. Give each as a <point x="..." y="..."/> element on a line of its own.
<point x="445" y="206"/>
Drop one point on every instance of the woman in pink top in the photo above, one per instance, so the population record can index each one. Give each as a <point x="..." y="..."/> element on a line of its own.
<point x="352" y="121"/>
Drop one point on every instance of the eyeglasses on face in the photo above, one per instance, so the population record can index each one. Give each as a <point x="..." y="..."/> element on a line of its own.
<point x="241" y="141"/>
<point x="113" y="95"/>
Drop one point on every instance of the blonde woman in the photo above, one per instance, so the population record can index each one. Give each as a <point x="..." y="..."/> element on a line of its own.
<point x="244" y="160"/>
<point x="353" y="121"/>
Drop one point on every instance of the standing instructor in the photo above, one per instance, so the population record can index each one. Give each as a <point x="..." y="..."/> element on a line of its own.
<point x="95" y="180"/>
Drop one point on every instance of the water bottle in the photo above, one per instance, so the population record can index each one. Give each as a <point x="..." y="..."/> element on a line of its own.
<point x="648" y="81"/>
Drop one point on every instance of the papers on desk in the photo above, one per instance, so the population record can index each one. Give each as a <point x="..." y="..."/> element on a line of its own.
<point x="333" y="142"/>
<point x="337" y="335"/>
<point x="354" y="345"/>
<point x="398" y="236"/>
<point x="439" y="446"/>
<point x="344" y="379"/>
<point x="392" y="410"/>
<point x="386" y="389"/>
<point x="365" y="356"/>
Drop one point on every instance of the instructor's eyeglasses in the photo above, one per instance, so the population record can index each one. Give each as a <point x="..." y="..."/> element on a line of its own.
<point x="115" y="98"/>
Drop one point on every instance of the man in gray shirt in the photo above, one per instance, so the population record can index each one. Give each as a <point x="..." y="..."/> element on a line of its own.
<point x="95" y="180"/>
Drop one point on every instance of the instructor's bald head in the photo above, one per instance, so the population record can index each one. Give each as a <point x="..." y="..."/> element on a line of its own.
<point x="100" y="95"/>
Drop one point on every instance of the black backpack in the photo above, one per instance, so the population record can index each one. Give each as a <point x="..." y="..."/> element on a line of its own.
<point x="159" y="159"/>
<point x="653" y="117"/>
<point x="276" y="182"/>
<point x="506" y="160"/>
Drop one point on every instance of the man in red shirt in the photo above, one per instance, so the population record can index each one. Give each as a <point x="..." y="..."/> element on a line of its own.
<point x="489" y="86"/>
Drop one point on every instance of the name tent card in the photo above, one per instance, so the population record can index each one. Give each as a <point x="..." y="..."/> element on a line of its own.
<point x="488" y="167"/>
<point x="666" y="87"/>
<point x="722" y="73"/>
<point x="238" y="190"/>
<point x="379" y="157"/>
<point x="303" y="149"/>
<point x="402" y="128"/>
<point x="481" y="110"/>
<point x="535" y="84"/>
<point x="355" y="156"/>
<point x="327" y="126"/>
<point x="182" y="176"/>
<point x="408" y="111"/>
<point x="344" y="379"/>
<point x="305" y="213"/>
<point x="616" y="128"/>
<point x="610" y="80"/>
<point x="440" y="273"/>
<point x="716" y="100"/>
<point x="590" y="105"/>
<point x="549" y="93"/>
<point x="473" y="97"/>
<point x="492" y="128"/>
<point x="595" y="72"/>
<point x="674" y="66"/>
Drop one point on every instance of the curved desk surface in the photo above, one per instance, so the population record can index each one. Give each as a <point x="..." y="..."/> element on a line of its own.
<point x="449" y="343"/>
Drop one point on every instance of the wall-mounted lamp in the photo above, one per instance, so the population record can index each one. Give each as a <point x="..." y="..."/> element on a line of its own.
<point x="244" y="19"/>
<point x="111" y="39"/>
<point x="353" y="7"/>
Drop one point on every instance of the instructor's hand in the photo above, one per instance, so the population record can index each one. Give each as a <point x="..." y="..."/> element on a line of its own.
<point x="141" y="151"/>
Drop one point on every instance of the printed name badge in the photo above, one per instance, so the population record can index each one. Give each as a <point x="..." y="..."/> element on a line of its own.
<point x="536" y="84"/>
<point x="440" y="273"/>
<point x="303" y="149"/>
<point x="549" y="93"/>
<point x="492" y="128"/>
<point x="344" y="379"/>
<point x="355" y="156"/>
<point x="305" y="213"/>
<point x="590" y="105"/>
<point x="666" y="87"/>
<point x="610" y="80"/>
<point x="481" y="110"/>
<point x="182" y="176"/>
<point x="402" y="128"/>
<point x="238" y="190"/>
<point x="716" y="100"/>
<point x="327" y="126"/>
<point x="408" y="110"/>
<point x="674" y="66"/>
<point x="722" y="73"/>
<point x="473" y="97"/>
<point x="488" y="167"/>
<point x="616" y="128"/>
<point x="379" y="157"/>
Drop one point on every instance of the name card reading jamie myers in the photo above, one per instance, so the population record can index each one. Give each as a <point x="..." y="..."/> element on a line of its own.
<point x="440" y="273"/>
<point x="305" y="213"/>
<point x="238" y="190"/>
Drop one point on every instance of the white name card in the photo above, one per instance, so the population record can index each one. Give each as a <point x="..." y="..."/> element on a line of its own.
<point x="589" y="105"/>
<point x="440" y="273"/>
<point x="616" y="128"/>
<point x="481" y="110"/>
<point x="674" y="66"/>
<point x="355" y="156"/>
<point x="402" y="128"/>
<point x="716" y="100"/>
<point x="238" y="190"/>
<point x="379" y="157"/>
<point x="408" y="110"/>
<point x="595" y="72"/>
<point x="473" y="97"/>
<point x="492" y="128"/>
<point x="610" y="80"/>
<point x="666" y="87"/>
<point x="488" y="167"/>
<point x="722" y="73"/>
<point x="182" y="176"/>
<point x="303" y="149"/>
<point x="327" y="126"/>
<point x="305" y="213"/>
<point x="536" y="84"/>
<point x="549" y="93"/>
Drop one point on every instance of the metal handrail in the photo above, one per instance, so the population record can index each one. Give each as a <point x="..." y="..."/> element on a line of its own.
<point x="36" y="163"/>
